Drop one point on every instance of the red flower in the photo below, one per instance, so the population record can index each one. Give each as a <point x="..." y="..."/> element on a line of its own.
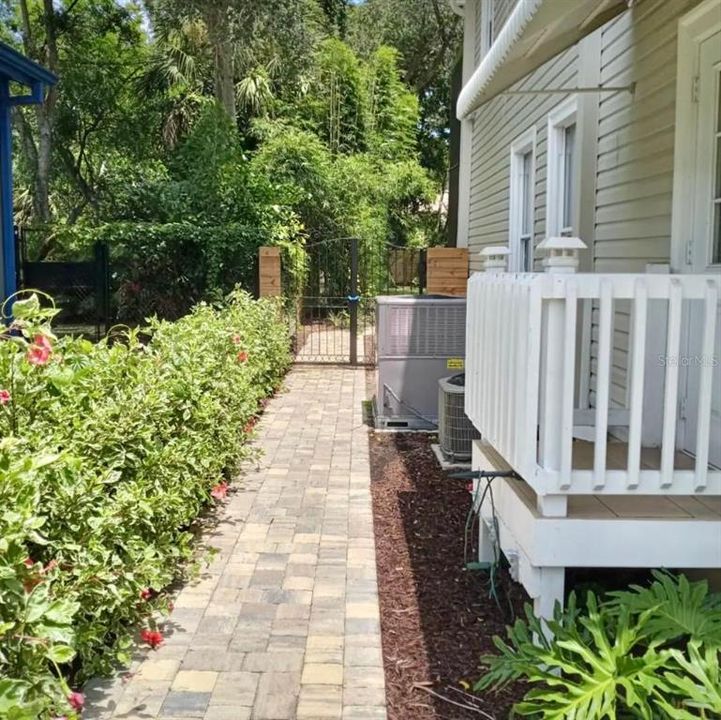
<point x="146" y="594"/>
<point x="4" y="397"/>
<point x="39" y="351"/>
<point x="76" y="700"/>
<point x="28" y="562"/>
<point x="152" y="637"/>
<point x="242" y="356"/>
<point x="43" y="341"/>
<point x="219" y="491"/>
<point x="237" y="339"/>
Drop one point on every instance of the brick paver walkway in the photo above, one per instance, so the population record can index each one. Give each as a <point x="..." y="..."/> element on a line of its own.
<point x="285" y="622"/>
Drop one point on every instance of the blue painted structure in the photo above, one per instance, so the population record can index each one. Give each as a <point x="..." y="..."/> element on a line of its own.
<point x="16" y="72"/>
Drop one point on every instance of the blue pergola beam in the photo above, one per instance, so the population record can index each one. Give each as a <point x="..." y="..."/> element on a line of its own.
<point x="15" y="68"/>
<point x="9" y="276"/>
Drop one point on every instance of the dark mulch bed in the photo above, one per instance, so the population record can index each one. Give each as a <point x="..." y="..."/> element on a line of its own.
<point x="437" y="619"/>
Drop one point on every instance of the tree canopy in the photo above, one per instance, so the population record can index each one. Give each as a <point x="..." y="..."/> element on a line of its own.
<point x="299" y="118"/>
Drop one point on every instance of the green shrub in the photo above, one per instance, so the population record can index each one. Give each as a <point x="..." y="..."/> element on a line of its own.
<point x="651" y="653"/>
<point x="297" y="166"/>
<point x="392" y="108"/>
<point x="109" y="453"/>
<point x="166" y="268"/>
<point x="335" y="105"/>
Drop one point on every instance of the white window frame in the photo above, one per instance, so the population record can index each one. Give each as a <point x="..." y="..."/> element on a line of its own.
<point x="559" y="119"/>
<point x="521" y="146"/>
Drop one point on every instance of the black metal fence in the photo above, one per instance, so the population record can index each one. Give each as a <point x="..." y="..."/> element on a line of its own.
<point x="81" y="289"/>
<point x="331" y="289"/>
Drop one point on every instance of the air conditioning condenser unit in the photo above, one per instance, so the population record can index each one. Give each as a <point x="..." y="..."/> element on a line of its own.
<point x="420" y="339"/>
<point x="456" y="432"/>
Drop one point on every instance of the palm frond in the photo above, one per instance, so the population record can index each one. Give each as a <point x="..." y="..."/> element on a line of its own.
<point x="254" y="93"/>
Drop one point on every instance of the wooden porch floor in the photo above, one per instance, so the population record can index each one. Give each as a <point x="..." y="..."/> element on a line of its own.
<point x="617" y="455"/>
<point x="642" y="507"/>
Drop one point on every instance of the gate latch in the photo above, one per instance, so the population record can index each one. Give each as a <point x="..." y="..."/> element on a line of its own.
<point x="353" y="298"/>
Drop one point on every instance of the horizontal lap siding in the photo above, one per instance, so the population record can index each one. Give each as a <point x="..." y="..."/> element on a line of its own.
<point x="634" y="176"/>
<point x="478" y="29"/>
<point x="501" y="11"/>
<point x="497" y="124"/>
<point x="636" y="137"/>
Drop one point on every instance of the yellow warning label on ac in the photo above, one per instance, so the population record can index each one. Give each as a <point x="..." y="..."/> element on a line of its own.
<point x="454" y="364"/>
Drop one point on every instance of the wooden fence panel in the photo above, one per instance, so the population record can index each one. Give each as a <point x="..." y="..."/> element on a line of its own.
<point x="269" y="272"/>
<point x="447" y="271"/>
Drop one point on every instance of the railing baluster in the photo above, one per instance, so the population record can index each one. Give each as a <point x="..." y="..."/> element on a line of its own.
<point x="703" y="423"/>
<point x="603" y="383"/>
<point x="481" y="323"/>
<point x="529" y="447"/>
<point x="503" y="359"/>
<point x="485" y="351"/>
<point x="505" y="365"/>
<point x="670" y="399"/>
<point x="523" y="372"/>
<point x="638" y="368"/>
<point x="491" y="385"/>
<point x="514" y="372"/>
<point x="471" y="336"/>
<point x="569" y="380"/>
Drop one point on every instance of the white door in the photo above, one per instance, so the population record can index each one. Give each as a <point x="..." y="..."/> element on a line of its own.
<point x="704" y="251"/>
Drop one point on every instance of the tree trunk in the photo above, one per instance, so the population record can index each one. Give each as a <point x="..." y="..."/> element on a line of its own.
<point x="45" y="112"/>
<point x="218" y="23"/>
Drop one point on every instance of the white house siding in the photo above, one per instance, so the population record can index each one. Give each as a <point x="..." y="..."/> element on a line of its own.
<point x="634" y="172"/>
<point x="635" y="153"/>
<point x="501" y="10"/>
<point x="497" y="124"/>
<point x="636" y="134"/>
<point x="478" y="31"/>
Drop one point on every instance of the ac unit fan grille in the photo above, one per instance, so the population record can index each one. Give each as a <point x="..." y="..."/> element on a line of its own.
<point x="426" y="331"/>
<point x="455" y="431"/>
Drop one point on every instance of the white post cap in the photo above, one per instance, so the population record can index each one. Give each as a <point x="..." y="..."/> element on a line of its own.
<point x="494" y="258"/>
<point x="561" y="253"/>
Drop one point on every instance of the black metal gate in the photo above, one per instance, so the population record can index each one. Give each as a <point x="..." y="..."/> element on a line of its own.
<point x="81" y="289"/>
<point x="333" y="285"/>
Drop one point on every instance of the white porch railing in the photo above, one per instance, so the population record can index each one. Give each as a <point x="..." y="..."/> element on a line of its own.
<point x="523" y="352"/>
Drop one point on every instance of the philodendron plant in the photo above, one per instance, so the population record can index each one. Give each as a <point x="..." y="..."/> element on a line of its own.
<point x="648" y="652"/>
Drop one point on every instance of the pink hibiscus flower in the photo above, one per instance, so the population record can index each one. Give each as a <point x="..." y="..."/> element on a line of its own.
<point x="219" y="491"/>
<point x="4" y="397"/>
<point x="76" y="700"/>
<point x="39" y="351"/>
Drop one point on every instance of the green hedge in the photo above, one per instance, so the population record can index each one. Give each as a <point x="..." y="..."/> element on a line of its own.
<point x="109" y="454"/>
<point x="165" y="268"/>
